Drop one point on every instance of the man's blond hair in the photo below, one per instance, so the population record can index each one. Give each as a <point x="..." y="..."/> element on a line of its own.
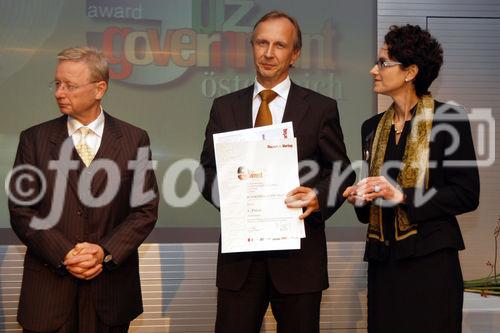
<point x="95" y="59"/>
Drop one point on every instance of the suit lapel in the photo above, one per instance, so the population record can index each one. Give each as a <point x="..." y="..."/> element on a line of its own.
<point x="109" y="149"/>
<point x="58" y="136"/>
<point x="242" y="109"/>
<point x="296" y="106"/>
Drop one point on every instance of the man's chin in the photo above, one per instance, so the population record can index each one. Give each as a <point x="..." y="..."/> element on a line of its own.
<point x="268" y="75"/>
<point x="268" y="72"/>
<point x="64" y="109"/>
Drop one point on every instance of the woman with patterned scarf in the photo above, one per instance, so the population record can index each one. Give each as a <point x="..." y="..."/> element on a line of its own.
<point x="422" y="172"/>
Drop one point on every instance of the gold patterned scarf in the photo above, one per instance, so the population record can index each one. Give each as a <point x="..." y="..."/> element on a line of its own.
<point x="415" y="165"/>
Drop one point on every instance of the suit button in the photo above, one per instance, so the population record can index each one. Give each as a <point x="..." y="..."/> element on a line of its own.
<point x="387" y="243"/>
<point x="79" y="212"/>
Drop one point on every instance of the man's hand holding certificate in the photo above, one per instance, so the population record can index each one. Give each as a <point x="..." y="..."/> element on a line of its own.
<point x="256" y="169"/>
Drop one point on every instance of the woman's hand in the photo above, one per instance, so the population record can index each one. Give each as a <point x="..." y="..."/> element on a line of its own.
<point x="372" y="188"/>
<point x="351" y="194"/>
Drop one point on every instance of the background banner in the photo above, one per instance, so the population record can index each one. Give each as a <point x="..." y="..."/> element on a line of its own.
<point x="169" y="60"/>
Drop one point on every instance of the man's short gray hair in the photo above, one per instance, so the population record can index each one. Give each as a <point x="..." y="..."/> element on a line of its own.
<point x="95" y="59"/>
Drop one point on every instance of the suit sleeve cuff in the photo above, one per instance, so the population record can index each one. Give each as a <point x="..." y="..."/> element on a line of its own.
<point x="108" y="262"/>
<point x="61" y="269"/>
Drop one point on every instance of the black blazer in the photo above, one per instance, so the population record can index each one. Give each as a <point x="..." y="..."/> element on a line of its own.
<point x="48" y="293"/>
<point x="457" y="187"/>
<point x="319" y="138"/>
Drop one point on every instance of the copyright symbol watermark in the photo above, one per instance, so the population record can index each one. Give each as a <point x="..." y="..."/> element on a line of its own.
<point x="16" y="185"/>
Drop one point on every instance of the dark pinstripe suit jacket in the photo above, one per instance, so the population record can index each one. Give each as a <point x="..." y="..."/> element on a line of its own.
<point x="319" y="139"/>
<point x="47" y="294"/>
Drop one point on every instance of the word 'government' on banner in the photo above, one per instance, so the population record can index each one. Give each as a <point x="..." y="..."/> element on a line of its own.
<point x="156" y="42"/>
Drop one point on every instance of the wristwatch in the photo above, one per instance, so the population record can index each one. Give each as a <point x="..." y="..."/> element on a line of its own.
<point x="108" y="258"/>
<point x="108" y="262"/>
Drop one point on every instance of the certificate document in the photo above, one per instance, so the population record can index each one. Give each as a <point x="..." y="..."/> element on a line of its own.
<point x="271" y="132"/>
<point x="254" y="176"/>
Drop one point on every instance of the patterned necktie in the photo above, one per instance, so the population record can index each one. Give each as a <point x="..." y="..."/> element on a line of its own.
<point x="264" y="116"/>
<point x="83" y="148"/>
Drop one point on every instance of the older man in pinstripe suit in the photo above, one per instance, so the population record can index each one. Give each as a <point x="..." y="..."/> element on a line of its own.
<point x="81" y="270"/>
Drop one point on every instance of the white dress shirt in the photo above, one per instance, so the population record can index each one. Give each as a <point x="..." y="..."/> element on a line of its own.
<point x="93" y="139"/>
<point x="277" y="105"/>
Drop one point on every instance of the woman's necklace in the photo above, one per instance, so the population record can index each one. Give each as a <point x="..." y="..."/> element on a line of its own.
<point x="398" y="130"/>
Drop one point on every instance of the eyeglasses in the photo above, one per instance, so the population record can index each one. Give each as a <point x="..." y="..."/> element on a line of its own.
<point x="67" y="86"/>
<point x="383" y="64"/>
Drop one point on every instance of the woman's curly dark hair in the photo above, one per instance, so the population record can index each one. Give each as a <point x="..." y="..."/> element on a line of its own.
<point x="409" y="44"/>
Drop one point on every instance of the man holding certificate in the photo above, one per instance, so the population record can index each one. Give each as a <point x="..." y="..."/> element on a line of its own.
<point x="291" y="280"/>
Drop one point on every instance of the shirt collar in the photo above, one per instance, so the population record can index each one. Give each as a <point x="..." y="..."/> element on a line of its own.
<point x="97" y="126"/>
<point x="282" y="88"/>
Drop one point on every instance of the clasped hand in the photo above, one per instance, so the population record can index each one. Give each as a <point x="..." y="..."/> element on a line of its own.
<point x="371" y="188"/>
<point x="84" y="261"/>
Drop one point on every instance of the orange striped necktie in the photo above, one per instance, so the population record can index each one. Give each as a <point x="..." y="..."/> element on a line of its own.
<point x="264" y="116"/>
